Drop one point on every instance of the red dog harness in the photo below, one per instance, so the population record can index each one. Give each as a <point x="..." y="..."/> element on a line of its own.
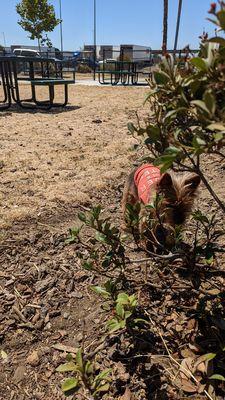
<point x="144" y="178"/>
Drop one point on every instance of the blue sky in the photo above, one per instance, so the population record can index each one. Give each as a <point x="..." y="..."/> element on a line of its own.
<point x="118" y="21"/>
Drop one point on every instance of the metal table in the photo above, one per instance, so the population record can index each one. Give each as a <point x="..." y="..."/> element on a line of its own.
<point x="10" y="77"/>
<point x="118" y="71"/>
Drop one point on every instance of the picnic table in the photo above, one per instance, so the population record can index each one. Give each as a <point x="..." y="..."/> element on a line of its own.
<point x="42" y="71"/>
<point x="125" y="72"/>
<point x="113" y="72"/>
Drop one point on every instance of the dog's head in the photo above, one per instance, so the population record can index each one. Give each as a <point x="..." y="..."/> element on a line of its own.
<point x="178" y="194"/>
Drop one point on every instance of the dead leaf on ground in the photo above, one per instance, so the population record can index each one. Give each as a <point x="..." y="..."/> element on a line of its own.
<point x="127" y="395"/>
<point x="63" y="347"/>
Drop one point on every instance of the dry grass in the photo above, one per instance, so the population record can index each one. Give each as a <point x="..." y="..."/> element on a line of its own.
<point x="61" y="156"/>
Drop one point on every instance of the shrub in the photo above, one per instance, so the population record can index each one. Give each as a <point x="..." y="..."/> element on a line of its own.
<point x="188" y="108"/>
<point x="83" y="68"/>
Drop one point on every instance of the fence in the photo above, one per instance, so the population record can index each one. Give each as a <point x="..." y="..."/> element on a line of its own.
<point x="86" y="62"/>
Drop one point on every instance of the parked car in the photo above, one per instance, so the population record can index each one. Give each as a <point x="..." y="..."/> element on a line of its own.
<point x="26" y="53"/>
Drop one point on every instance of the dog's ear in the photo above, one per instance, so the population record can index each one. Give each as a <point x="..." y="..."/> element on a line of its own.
<point x="192" y="182"/>
<point x="165" y="181"/>
<point x="166" y="186"/>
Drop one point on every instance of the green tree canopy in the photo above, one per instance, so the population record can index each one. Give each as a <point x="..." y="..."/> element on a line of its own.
<point x="37" y="18"/>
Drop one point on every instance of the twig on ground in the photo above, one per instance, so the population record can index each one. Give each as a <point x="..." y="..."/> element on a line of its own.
<point x="159" y="256"/>
<point x="189" y="373"/>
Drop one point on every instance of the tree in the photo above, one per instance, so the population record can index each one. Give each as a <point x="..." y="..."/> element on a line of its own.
<point x="165" y="26"/>
<point x="178" y="24"/>
<point x="37" y="18"/>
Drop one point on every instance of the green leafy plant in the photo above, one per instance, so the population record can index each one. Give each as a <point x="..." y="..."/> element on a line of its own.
<point x="73" y="235"/>
<point x="122" y="305"/>
<point x="106" y="249"/>
<point x="108" y="291"/>
<point x="207" y="234"/>
<point x="85" y="377"/>
<point x="125" y="307"/>
<point x="188" y="109"/>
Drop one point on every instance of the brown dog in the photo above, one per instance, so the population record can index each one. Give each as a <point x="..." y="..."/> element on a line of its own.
<point x="172" y="195"/>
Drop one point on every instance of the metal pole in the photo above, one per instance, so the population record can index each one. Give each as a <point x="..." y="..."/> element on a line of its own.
<point x="3" y="33"/>
<point x="178" y="25"/>
<point x="61" y="31"/>
<point x="95" y="40"/>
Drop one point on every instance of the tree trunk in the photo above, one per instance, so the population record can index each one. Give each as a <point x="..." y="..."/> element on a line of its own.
<point x="39" y="45"/>
<point x="178" y="25"/>
<point x="165" y="26"/>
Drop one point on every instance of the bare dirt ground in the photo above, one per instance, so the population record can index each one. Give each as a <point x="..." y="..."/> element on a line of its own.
<point x="62" y="156"/>
<point x="52" y="165"/>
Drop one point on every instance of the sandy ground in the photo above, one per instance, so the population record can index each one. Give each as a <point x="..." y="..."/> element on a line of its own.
<point x="61" y="156"/>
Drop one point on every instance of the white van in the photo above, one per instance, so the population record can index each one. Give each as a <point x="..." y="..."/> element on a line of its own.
<point x="26" y="53"/>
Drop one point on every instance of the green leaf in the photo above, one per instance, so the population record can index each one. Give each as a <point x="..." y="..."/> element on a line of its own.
<point x="133" y="300"/>
<point x="79" y="360"/>
<point x="167" y="159"/>
<point x="198" y="216"/>
<point x="195" y="85"/>
<point x="153" y="133"/>
<point x="214" y="21"/>
<point x="82" y="217"/>
<point x="209" y="356"/>
<point x="171" y="115"/>
<point x="122" y="298"/>
<point x="87" y="265"/>
<point x="221" y="17"/>
<point x="110" y="286"/>
<point x="164" y="162"/>
<point x="131" y="127"/>
<point x="173" y="150"/>
<point x="216" y="127"/>
<point x="141" y="321"/>
<point x="103" y="388"/>
<point x="103" y="375"/>
<point x="69" y="357"/>
<point x="217" y="39"/>
<point x="88" y="368"/>
<point x="166" y="166"/>
<point x="199" y="63"/>
<point x="96" y="211"/>
<point x="210" y="102"/>
<point x="198" y="145"/>
<point x="127" y="314"/>
<point x="67" y="367"/>
<point x="150" y="94"/>
<point x="120" y="310"/>
<point x="200" y="104"/>
<point x="161" y="78"/>
<point x="218" y="136"/>
<point x="100" y="290"/>
<point x="101" y="237"/>
<point x="114" y="325"/>
<point x="70" y="384"/>
<point x="217" y="377"/>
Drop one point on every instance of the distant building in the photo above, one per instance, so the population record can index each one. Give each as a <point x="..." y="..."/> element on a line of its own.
<point x="109" y="52"/>
<point x="135" y="52"/>
<point x="88" y="51"/>
<point x="131" y="51"/>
